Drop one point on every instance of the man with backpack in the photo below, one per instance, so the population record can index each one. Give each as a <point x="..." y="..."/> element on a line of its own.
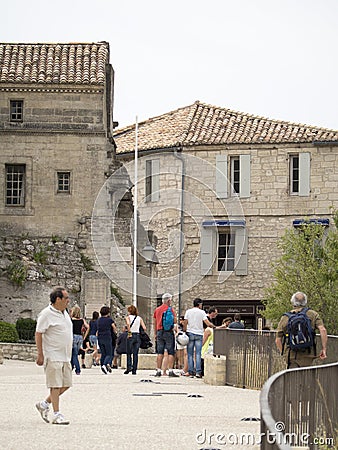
<point x="164" y="322"/>
<point x="296" y="338"/>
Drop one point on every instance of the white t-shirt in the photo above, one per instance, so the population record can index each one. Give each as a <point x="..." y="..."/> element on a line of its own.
<point x="136" y="325"/>
<point x="57" y="334"/>
<point x="195" y="317"/>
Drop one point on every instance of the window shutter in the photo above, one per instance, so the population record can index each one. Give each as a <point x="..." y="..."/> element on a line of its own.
<point x="244" y="190"/>
<point x="155" y="194"/>
<point x="207" y="250"/>
<point x="304" y="174"/>
<point x="241" y="252"/>
<point x="221" y="176"/>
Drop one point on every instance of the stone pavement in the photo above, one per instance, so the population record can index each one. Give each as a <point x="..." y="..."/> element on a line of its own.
<point x="118" y="411"/>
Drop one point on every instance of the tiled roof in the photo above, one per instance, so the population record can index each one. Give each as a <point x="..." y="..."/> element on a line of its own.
<point x="54" y="63"/>
<point x="201" y="124"/>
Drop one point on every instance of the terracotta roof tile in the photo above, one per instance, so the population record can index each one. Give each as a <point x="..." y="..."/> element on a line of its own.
<point x="54" y="63"/>
<point x="201" y="124"/>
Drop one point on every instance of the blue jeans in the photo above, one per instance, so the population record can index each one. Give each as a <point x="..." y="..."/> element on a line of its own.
<point x="77" y="343"/>
<point x="106" y="349"/>
<point x="195" y="344"/>
<point x="133" y="345"/>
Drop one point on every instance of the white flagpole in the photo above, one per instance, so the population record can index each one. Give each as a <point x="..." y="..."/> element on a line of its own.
<point x="135" y="215"/>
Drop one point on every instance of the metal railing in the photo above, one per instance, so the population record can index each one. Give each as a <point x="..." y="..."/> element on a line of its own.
<point x="299" y="407"/>
<point x="252" y="356"/>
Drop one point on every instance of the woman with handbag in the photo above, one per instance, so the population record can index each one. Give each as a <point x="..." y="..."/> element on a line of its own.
<point x="133" y="322"/>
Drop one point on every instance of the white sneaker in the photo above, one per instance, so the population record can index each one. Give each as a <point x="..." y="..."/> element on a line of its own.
<point x="104" y="370"/>
<point x="43" y="411"/>
<point x="58" y="419"/>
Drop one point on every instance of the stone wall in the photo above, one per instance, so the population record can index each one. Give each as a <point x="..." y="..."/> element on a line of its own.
<point x="62" y="131"/>
<point x="23" y="352"/>
<point x="31" y="267"/>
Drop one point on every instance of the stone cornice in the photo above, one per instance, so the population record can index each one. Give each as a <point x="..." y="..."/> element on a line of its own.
<point x="76" y="90"/>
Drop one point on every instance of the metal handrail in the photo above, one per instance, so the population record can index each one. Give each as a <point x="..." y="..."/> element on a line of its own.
<point x="252" y="356"/>
<point x="293" y="389"/>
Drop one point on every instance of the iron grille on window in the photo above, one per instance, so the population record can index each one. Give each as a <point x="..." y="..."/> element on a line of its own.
<point x="15" y="185"/>
<point x="16" y="110"/>
<point x="64" y="182"/>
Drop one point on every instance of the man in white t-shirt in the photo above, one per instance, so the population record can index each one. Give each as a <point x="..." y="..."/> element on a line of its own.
<point x="54" y="340"/>
<point x="193" y="324"/>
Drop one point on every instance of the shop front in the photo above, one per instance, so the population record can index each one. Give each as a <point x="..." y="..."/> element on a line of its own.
<point x="249" y="310"/>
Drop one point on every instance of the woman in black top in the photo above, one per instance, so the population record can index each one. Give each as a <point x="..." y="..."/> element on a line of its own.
<point x="79" y="325"/>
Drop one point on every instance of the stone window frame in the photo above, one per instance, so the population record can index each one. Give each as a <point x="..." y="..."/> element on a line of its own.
<point x="27" y="209"/>
<point x="209" y="243"/>
<point x="235" y="175"/>
<point x="230" y="179"/>
<point x="299" y="187"/>
<point x="15" y="185"/>
<point x="63" y="183"/>
<point x="152" y="180"/>
<point x="16" y="110"/>
<point x="226" y="260"/>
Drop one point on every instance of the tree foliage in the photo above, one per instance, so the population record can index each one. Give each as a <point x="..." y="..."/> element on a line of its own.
<point x="309" y="263"/>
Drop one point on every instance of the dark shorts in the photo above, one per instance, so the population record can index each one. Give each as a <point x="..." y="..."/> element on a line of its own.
<point x="165" y="340"/>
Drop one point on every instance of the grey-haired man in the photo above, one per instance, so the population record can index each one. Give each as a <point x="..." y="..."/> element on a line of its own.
<point x="301" y="359"/>
<point x="165" y="339"/>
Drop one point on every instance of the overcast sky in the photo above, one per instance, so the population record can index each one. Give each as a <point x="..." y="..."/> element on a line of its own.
<point x="272" y="58"/>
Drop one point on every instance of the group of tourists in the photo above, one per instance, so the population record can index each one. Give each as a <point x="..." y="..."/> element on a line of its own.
<point x="60" y="336"/>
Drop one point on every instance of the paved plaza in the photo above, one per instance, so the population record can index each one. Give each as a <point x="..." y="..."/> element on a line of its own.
<point x="124" y="412"/>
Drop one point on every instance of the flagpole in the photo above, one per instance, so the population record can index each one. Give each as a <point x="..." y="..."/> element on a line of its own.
<point x="135" y="215"/>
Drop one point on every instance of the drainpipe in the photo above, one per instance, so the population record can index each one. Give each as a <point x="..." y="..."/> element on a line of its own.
<point x="180" y="275"/>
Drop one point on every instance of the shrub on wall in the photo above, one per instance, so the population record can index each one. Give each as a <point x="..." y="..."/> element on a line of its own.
<point x="17" y="272"/>
<point x="8" y="332"/>
<point x="26" y="329"/>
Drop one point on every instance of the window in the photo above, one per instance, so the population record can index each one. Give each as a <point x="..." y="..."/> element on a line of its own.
<point x="224" y="247"/>
<point x="239" y="172"/>
<point x="226" y="251"/>
<point x="15" y="185"/>
<point x="152" y="180"/>
<point x="300" y="174"/>
<point x="294" y="174"/>
<point x="235" y="175"/>
<point x="63" y="182"/>
<point x="16" y="110"/>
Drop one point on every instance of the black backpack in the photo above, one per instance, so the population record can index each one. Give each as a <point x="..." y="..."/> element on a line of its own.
<point x="145" y="339"/>
<point x="300" y="335"/>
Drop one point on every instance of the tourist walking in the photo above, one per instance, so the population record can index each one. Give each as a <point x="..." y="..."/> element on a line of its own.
<point x="105" y="326"/>
<point x="80" y="330"/>
<point x="93" y="337"/>
<point x="164" y="320"/>
<point x="193" y="324"/>
<point x="301" y="357"/>
<point x="134" y="322"/>
<point x="54" y="337"/>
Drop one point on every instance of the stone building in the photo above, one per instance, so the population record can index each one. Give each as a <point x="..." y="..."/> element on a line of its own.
<point x="218" y="188"/>
<point x="57" y="155"/>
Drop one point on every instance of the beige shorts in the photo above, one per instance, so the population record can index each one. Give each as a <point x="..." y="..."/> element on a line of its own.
<point x="58" y="374"/>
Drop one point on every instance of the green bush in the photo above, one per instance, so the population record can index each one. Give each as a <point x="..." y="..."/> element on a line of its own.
<point x="8" y="332"/>
<point x="86" y="262"/>
<point x="17" y="272"/>
<point x="26" y="329"/>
